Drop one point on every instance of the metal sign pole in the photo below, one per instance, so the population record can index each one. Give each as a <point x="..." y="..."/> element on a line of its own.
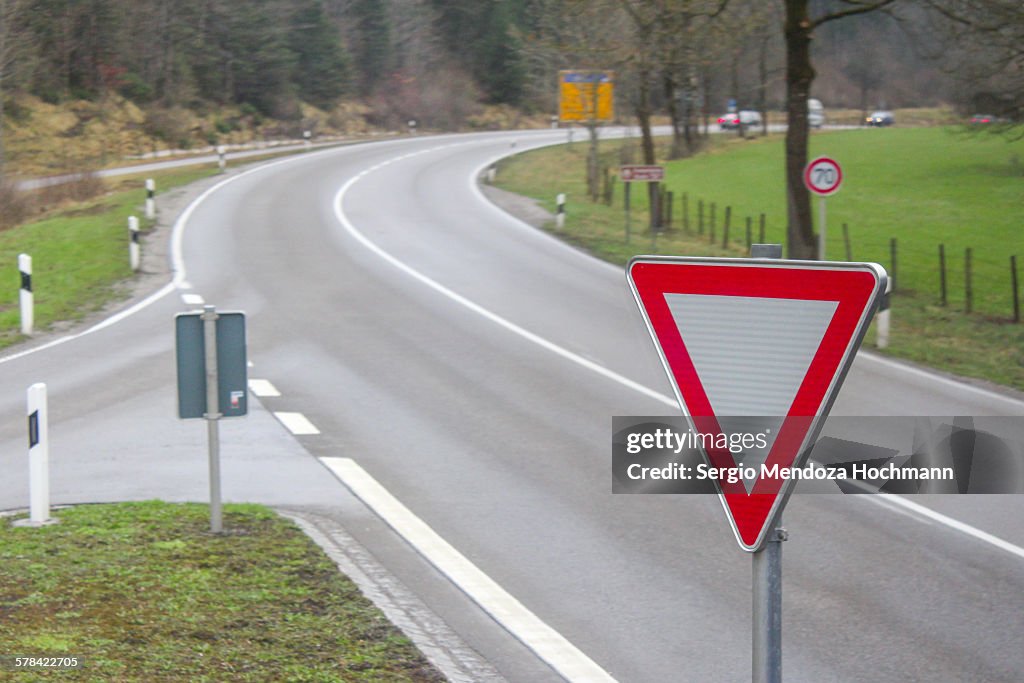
<point x="213" y="414"/>
<point x="766" y="661"/>
<point x="767" y="628"/>
<point x="821" y="234"/>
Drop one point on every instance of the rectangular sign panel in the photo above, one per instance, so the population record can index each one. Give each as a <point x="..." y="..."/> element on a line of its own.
<point x="586" y="96"/>
<point x="642" y="174"/>
<point x="232" y="366"/>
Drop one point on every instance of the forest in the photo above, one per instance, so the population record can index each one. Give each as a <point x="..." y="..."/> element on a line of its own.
<point x="442" y="62"/>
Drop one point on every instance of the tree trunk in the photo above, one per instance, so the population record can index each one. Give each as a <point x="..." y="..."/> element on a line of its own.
<point x="762" y="84"/>
<point x="643" y="117"/>
<point x="678" y="149"/>
<point x="593" y="172"/>
<point x="799" y="75"/>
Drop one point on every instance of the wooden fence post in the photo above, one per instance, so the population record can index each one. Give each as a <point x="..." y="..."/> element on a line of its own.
<point x="968" y="285"/>
<point x="1016" y="290"/>
<point x="892" y="256"/>
<point x="942" y="274"/>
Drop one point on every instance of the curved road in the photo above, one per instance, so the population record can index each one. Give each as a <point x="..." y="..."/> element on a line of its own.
<point x="470" y="365"/>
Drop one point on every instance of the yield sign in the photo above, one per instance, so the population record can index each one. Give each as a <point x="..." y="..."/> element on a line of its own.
<point x="755" y="347"/>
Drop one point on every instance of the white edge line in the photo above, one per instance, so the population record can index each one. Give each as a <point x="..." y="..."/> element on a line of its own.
<point x="545" y="642"/>
<point x="962" y="386"/>
<point x="929" y="514"/>
<point x="480" y="310"/>
<point x="650" y="393"/>
<point x="177" y="266"/>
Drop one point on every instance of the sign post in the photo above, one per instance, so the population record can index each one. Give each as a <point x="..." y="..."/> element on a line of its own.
<point x="586" y="96"/>
<point x="212" y="380"/>
<point x="639" y="173"/>
<point x="823" y="176"/>
<point x="756" y="346"/>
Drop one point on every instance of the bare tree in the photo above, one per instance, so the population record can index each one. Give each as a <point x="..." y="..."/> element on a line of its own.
<point x="799" y="32"/>
<point x="985" y="40"/>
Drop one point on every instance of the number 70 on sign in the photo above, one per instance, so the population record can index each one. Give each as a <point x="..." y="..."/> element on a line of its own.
<point x="823" y="176"/>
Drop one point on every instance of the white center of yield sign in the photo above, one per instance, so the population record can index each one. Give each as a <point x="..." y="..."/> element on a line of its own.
<point x="750" y="384"/>
<point x="744" y="374"/>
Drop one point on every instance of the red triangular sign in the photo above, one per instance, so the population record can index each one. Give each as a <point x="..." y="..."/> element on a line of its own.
<point x="756" y="344"/>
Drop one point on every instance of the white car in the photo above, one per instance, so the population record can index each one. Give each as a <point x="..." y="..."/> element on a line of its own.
<point x="815" y="113"/>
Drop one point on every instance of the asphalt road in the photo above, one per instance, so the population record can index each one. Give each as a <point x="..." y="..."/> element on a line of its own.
<point x="471" y="365"/>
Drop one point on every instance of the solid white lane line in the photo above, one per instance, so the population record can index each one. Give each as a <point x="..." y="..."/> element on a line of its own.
<point x="263" y="388"/>
<point x="177" y="265"/>
<point x="477" y="308"/>
<point x="548" y="644"/>
<point x="636" y="386"/>
<point x="885" y="499"/>
<point x="1012" y="403"/>
<point x="297" y="423"/>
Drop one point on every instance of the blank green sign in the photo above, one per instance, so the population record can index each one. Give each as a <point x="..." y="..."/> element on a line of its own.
<point x="232" y="368"/>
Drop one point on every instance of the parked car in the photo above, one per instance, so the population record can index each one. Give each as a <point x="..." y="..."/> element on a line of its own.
<point x="880" y="119"/>
<point x="732" y="121"/>
<point x="815" y="113"/>
<point x="983" y="119"/>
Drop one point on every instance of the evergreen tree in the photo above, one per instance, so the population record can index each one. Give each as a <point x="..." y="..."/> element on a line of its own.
<point x="372" y="50"/>
<point x="322" y="68"/>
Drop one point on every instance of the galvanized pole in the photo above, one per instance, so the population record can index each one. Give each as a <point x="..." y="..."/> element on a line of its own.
<point x="767" y="636"/>
<point x="821" y="232"/>
<point x="766" y="660"/>
<point x="213" y="414"/>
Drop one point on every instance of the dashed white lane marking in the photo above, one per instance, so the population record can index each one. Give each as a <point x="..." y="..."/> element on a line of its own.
<point x="192" y="299"/>
<point x="263" y="388"/>
<point x="548" y="644"/>
<point x="297" y="423"/>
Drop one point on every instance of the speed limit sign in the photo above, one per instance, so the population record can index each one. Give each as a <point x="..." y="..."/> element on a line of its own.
<point x="823" y="176"/>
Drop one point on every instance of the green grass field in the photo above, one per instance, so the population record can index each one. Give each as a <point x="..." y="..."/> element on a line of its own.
<point x="922" y="186"/>
<point x="79" y="254"/>
<point x="143" y="592"/>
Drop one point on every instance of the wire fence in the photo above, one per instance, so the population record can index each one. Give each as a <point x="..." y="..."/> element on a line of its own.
<point x="981" y="279"/>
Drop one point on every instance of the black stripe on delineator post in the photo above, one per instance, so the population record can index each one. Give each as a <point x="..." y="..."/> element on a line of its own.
<point x="26" y="281"/>
<point x="33" y="429"/>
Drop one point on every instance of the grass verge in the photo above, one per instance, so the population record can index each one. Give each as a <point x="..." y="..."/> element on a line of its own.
<point x="79" y="253"/>
<point x="143" y="592"/>
<point x="924" y="187"/>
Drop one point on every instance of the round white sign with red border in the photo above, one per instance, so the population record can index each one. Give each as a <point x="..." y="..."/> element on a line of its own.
<point x="823" y="176"/>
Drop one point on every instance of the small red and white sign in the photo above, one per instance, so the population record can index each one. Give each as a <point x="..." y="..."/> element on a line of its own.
<point x="755" y="346"/>
<point x="641" y="174"/>
<point x="823" y="176"/>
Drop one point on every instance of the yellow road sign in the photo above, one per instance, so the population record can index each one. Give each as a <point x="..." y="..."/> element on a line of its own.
<point x="586" y="95"/>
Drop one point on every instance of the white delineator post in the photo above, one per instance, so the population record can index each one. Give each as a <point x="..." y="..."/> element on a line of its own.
<point x="25" y="296"/>
<point x="150" y="199"/>
<point x="134" y="255"/>
<point x="560" y="214"/>
<point x="882" y="330"/>
<point x="38" y="456"/>
<point x="221" y="160"/>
